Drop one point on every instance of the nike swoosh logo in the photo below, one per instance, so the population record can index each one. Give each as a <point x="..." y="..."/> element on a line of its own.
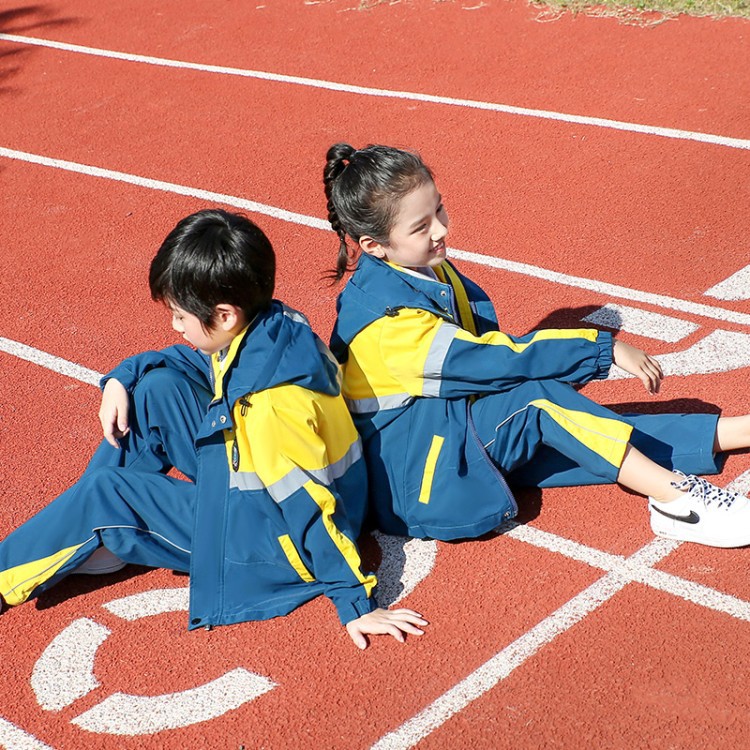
<point x="692" y="517"/>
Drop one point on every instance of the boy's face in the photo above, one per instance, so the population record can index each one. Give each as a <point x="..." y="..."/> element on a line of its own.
<point x="204" y="340"/>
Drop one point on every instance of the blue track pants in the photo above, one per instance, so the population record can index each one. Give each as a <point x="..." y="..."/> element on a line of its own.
<point x="124" y="501"/>
<point x="544" y="433"/>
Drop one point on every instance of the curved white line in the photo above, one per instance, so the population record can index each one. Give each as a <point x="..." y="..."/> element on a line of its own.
<point x="65" y="670"/>
<point x="405" y="563"/>
<point x="132" y="715"/>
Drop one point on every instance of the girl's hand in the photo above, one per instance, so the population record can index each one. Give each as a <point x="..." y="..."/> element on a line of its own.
<point x="638" y="363"/>
<point x="393" y="622"/>
<point x="113" y="412"/>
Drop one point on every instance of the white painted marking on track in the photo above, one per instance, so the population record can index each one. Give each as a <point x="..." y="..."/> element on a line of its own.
<point x="719" y="351"/>
<point x="132" y="715"/>
<point x="405" y="564"/>
<point x="50" y="361"/>
<point x="736" y="287"/>
<point x="600" y="287"/>
<point x="741" y="484"/>
<point x="638" y="572"/>
<point x="64" y="672"/>
<point x="147" y="604"/>
<point x="514" y="655"/>
<point x="642" y="322"/>
<point x="600" y="122"/>
<point x="14" y="738"/>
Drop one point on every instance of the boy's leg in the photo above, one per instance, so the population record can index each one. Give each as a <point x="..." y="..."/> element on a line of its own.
<point x="142" y="518"/>
<point x="166" y="410"/>
<point x="547" y="434"/>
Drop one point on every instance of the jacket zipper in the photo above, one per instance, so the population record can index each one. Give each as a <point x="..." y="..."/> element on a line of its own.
<point x="244" y="406"/>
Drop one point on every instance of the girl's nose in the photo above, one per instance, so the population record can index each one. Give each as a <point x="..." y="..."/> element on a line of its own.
<point x="439" y="230"/>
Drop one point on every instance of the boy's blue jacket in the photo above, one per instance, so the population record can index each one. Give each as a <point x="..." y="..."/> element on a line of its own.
<point x="415" y="353"/>
<point x="281" y="484"/>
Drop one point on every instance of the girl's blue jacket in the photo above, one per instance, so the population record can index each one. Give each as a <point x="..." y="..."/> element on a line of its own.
<point x="415" y="354"/>
<point x="281" y="484"/>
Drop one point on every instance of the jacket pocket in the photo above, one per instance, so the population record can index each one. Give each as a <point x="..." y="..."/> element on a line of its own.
<point x="425" y="490"/>
<point x="294" y="559"/>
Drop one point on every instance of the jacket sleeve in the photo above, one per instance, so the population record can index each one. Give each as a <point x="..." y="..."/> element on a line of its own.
<point x="434" y="357"/>
<point x="182" y="358"/>
<point x="303" y="472"/>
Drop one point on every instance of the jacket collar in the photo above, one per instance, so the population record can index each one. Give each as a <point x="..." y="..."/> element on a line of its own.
<point x="277" y="348"/>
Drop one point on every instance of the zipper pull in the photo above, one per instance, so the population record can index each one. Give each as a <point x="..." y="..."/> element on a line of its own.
<point x="392" y="312"/>
<point x="244" y="406"/>
<point x="235" y="455"/>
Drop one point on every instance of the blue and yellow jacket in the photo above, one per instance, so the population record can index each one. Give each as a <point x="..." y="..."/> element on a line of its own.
<point x="281" y="484"/>
<point x="415" y="352"/>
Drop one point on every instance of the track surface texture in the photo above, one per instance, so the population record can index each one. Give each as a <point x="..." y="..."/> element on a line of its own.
<point x="592" y="171"/>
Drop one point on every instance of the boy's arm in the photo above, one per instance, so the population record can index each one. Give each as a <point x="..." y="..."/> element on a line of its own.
<point x="182" y="358"/>
<point x="434" y="357"/>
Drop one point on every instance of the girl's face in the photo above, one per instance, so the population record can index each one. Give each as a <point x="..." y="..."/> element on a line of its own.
<point x="417" y="238"/>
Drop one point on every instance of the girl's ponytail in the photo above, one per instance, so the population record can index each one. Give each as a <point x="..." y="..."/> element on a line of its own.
<point x="337" y="160"/>
<point x="363" y="190"/>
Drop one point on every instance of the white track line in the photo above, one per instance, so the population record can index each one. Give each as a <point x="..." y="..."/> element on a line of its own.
<point x="50" y="361"/>
<point x="517" y="653"/>
<point x="600" y="287"/>
<point x="718" y="140"/>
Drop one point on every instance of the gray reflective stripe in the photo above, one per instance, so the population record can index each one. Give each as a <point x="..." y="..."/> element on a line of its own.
<point x="245" y="480"/>
<point x="433" y="364"/>
<point x="297" y="477"/>
<point x="295" y="315"/>
<point x="365" y="405"/>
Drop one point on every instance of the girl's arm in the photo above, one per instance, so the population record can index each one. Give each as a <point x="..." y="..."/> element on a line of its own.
<point x="434" y="357"/>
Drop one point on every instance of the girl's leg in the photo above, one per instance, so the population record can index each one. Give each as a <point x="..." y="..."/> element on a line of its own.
<point x="547" y="434"/>
<point x="140" y="517"/>
<point x="732" y="433"/>
<point x="553" y="414"/>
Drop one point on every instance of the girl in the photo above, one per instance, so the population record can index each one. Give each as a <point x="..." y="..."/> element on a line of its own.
<point x="448" y="406"/>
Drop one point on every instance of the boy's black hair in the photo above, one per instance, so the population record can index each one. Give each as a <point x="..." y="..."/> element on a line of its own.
<point x="364" y="188"/>
<point x="214" y="257"/>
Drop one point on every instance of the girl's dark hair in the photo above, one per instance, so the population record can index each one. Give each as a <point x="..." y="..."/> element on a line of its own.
<point x="214" y="257"/>
<point x="363" y="189"/>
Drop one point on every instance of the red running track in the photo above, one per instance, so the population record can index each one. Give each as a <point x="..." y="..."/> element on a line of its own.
<point x="655" y="663"/>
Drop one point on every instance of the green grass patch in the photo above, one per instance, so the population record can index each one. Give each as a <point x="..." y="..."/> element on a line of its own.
<point x="640" y="12"/>
<point x="647" y="12"/>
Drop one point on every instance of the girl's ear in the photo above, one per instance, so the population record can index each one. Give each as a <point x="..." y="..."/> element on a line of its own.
<point x="228" y="316"/>
<point x="371" y="246"/>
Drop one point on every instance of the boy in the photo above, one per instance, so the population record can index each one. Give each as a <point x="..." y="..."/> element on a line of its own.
<point x="254" y="418"/>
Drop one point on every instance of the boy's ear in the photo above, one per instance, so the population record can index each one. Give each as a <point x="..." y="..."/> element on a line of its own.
<point x="371" y="246"/>
<point x="228" y="316"/>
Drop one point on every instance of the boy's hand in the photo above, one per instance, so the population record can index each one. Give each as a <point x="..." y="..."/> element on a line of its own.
<point x="113" y="412"/>
<point x="638" y="363"/>
<point x="393" y="622"/>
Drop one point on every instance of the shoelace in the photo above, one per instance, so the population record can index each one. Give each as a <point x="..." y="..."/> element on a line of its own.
<point x="710" y="494"/>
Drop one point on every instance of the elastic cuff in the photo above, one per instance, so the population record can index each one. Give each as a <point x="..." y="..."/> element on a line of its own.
<point x="604" y="360"/>
<point x="349" y="611"/>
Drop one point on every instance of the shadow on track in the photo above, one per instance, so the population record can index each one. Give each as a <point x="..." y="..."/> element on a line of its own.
<point x="23" y="20"/>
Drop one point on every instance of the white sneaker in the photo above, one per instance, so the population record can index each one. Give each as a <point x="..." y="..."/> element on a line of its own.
<point x="707" y="514"/>
<point x="101" y="561"/>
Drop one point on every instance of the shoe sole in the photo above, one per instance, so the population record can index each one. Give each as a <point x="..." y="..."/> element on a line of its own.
<point x="722" y="544"/>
